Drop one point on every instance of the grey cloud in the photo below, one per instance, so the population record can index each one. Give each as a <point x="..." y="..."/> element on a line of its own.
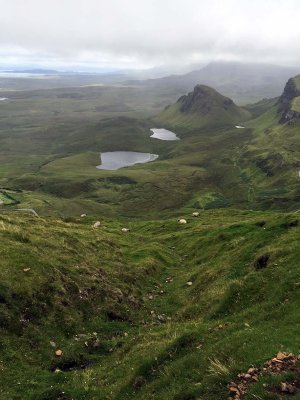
<point x="149" y="32"/>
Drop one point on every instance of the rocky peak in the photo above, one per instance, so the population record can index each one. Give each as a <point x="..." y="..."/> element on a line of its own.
<point x="203" y="99"/>
<point x="291" y="91"/>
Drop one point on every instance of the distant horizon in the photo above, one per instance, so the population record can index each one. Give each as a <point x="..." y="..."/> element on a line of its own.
<point x="56" y="69"/>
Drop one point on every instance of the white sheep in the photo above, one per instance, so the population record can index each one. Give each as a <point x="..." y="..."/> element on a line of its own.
<point x="125" y="230"/>
<point x="83" y="215"/>
<point x="195" y="214"/>
<point x="182" y="221"/>
<point x="97" y="224"/>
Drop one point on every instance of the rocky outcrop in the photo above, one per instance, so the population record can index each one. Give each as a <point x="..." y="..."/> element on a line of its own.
<point x="287" y="115"/>
<point x="203" y="99"/>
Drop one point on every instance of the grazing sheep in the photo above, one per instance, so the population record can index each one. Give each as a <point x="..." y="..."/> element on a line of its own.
<point x="83" y="215"/>
<point x="195" y="214"/>
<point x="125" y="230"/>
<point x="182" y="221"/>
<point x="97" y="224"/>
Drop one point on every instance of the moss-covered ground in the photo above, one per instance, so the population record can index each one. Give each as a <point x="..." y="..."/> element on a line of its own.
<point x="119" y="308"/>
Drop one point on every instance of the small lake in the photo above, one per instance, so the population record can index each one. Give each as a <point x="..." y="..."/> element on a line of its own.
<point x="163" y="134"/>
<point x="113" y="160"/>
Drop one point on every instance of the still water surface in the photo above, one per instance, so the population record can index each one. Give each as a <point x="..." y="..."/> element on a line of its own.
<point x="113" y="160"/>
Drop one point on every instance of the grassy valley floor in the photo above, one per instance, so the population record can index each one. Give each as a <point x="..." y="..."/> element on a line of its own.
<point x="164" y="311"/>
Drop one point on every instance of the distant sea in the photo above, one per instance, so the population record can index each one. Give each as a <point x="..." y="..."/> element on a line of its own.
<point x="19" y="75"/>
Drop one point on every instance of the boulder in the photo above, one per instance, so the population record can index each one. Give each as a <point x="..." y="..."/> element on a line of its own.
<point x="182" y="221"/>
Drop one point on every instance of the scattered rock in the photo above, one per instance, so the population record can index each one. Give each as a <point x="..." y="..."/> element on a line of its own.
<point x="196" y="214"/>
<point x="189" y="283"/>
<point x="287" y="388"/>
<point x="26" y="269"/>
<point x="58" y="353"/>
<point x="83" y="215"/>
<point x="182" y="221"/>
<point x="125" y="230"/>
<point x="283" y="362"/>
<point x="52" y="344"/>
<point x="97" y="224"/>
<point x="162" y="318"/>
<point x="93" y="343"/>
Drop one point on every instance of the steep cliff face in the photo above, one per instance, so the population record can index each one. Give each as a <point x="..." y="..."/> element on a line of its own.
<point x="288" y="112"/>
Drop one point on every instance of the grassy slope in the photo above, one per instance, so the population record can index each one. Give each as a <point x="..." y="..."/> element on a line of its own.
<point x="271" y="159"/>
<point x="296" y="104"/>
<point x="297" y="81"/>
<point x="83" y="281"/>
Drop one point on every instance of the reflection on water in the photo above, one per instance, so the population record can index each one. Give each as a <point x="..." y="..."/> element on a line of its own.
<point x="163" y="134"/>
<point x="113" y="160"/>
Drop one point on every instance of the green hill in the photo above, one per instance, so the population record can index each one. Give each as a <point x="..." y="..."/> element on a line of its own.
<point x="204" y="107"/>
<point x="297" y="82"/>
<point x="127" y="322"/>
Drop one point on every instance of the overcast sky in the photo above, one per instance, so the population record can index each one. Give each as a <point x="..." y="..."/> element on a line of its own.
<point x="146" y="33"/>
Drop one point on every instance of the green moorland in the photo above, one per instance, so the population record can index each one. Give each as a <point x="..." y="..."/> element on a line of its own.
<point x="129" y="326"/>
<point x="47" y="165"/>
<point x="165" y="310"/>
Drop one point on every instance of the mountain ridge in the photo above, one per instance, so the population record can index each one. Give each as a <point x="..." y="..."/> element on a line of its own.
<point x="243" y="82"/>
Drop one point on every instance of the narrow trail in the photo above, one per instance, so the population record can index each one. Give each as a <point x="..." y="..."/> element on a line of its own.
<point x="26" y="210"/>
<point x="169" y="290"/>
